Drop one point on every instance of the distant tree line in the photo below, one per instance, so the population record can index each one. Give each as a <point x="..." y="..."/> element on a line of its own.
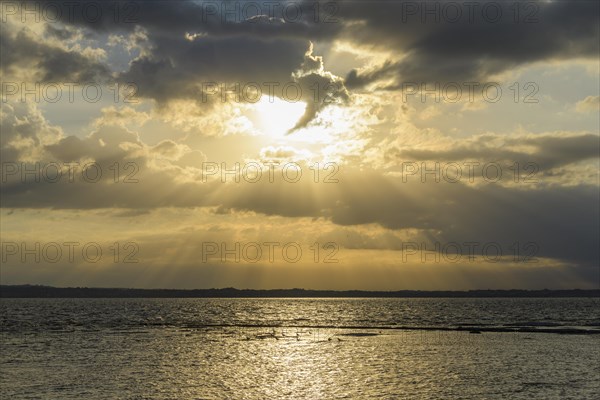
<point x="39" y="291"/>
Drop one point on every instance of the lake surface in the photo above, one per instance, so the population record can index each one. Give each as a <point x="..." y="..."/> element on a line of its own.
<point x="300" y="348"/>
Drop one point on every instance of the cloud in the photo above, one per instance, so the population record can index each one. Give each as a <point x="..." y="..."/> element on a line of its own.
<point x="46" y="59"/>
<point x="24" y="132"/>
<point x="432" y="47"/>
<point x="589" y="104"/>
<point x="121" y="116"/>
<point x="271" y="154"/>
<point x="548" y="151"/>
<point x="195" y="42"/>
<point x="319" y="88"/>
<point x="170" y="150"/>
<point x="562" y="221"/>
<point x="179" y="68"/>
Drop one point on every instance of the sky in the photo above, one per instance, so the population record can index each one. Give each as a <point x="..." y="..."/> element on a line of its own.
<point x="375" y="145"/>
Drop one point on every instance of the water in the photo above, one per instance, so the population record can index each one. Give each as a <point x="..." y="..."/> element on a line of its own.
<point x="300" y="348"/>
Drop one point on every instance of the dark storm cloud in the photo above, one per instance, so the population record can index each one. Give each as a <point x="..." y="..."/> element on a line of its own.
<point x="194" y="42"/>
<point x="289" y="18"/>
<point x="547" y="151"/>
<point x="22" y="52"/>
<point x="189" y="45"/>
<point x="185" y="69"/>
<point x="470" y="48"/>
<point x="562" y="221"/>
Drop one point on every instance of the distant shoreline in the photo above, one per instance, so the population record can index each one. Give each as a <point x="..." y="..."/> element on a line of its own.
<point x="39" y="291"/>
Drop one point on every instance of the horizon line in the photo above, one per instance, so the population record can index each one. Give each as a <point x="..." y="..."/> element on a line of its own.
<point x="37" y="290"/>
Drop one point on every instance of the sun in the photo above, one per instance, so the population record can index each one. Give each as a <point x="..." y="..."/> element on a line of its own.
<point x="275" y="117"/>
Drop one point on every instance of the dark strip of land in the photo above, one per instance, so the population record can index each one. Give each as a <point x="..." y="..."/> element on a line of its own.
<point x="38" y="291"/>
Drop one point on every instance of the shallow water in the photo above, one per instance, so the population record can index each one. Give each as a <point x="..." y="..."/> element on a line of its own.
<point x="298" y="349"/>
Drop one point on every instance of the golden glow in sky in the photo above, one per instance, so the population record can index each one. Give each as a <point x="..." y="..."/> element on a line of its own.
<point x="404" y="144"/>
